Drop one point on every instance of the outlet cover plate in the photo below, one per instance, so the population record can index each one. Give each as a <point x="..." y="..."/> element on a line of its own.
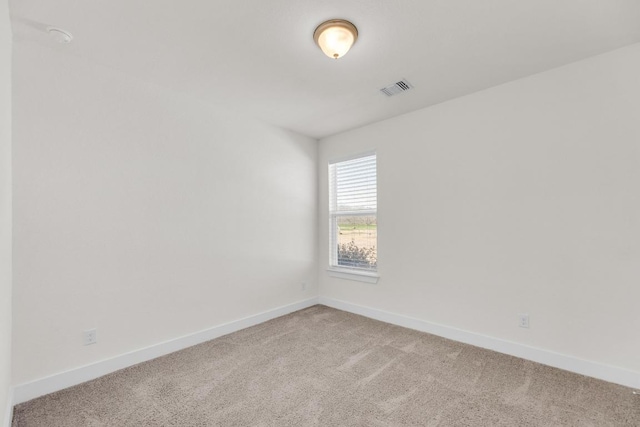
<point x="523" y="320"/>
<point x="90" y="336"/>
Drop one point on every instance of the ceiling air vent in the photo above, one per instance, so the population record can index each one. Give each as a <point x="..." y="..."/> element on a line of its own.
<point x="396" y="88"/>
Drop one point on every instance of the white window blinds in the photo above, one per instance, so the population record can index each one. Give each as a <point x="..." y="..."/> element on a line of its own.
<point x="354" y="185"/>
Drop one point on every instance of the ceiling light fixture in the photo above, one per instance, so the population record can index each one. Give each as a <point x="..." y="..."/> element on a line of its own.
<point x="335" y="37"/>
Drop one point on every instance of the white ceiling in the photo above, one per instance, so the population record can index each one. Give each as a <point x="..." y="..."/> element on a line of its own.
<point x="257" y="57"/>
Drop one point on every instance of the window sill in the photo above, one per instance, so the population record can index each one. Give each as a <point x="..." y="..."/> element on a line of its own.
<point x="359" y="276"/>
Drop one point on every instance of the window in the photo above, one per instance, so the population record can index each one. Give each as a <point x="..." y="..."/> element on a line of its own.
<point x="353" y="225"/>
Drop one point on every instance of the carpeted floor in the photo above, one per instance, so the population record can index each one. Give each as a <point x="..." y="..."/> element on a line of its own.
<point x="325" y="367"/>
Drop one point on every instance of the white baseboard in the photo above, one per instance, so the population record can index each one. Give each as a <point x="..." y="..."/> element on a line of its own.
<point x="8" y="413"/>
<point x="27" y="391"/>
<point x="568" y="363"/>
<point x="62" y="380"/>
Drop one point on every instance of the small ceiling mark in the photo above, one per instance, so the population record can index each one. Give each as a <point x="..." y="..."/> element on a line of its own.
<point x="59" y="35"/>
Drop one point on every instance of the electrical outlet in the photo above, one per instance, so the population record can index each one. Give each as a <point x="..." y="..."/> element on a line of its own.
<point x="303" y="286"/>
<point x="90" y="336"/>
<point x="523" y="320"/>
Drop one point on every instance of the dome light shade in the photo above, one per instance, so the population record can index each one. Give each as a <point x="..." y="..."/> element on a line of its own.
<point x="335" y="37"/>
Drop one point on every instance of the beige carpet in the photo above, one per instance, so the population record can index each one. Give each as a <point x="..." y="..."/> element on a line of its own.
<point x="324" y="367"/>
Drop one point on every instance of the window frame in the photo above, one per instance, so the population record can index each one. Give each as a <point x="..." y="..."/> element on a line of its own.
<point x="335" y="270"/>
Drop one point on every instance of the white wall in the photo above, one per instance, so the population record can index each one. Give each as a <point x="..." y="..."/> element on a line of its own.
<point x="145" y="214"/>
<point x="5" y="209"/>
<point x="524" y="198"/>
